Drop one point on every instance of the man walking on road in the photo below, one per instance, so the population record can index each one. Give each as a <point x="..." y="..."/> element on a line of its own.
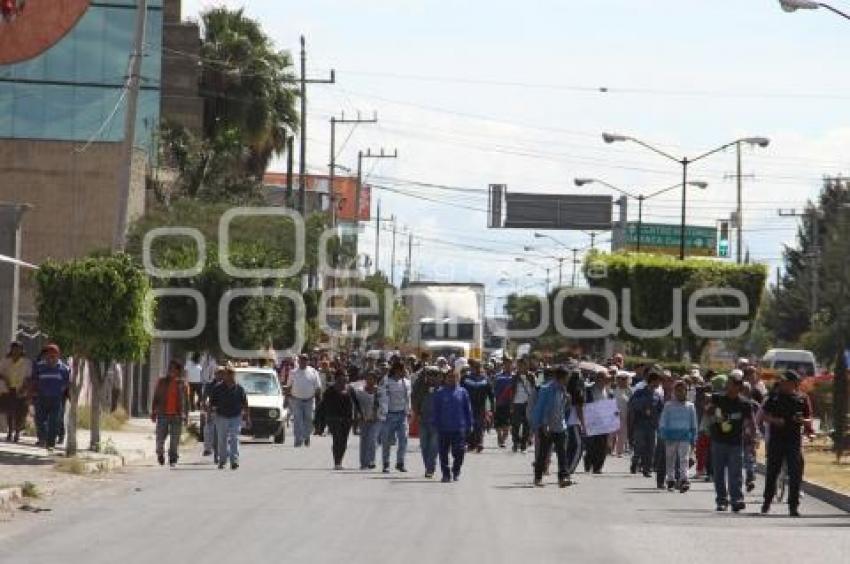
<point x="424" y="389"/>
<point x="366" y="408"/>
<point x="169" y="411"/>
<point x="394" y="408"/>
<point x="503" y="390"/>
<point x="645" y="408"/>
<point x="731" y="413"/>
<point x="549" y="421"/>
<point x="210" y="433"/>
<point x="786" y="412"/>
<point x="52" y="377"/>
<point x="305" y="387"/>
<point x="480" y="391"/>
<point x="523" y="389"/>
<point x="452" y="417"/>
<point x="230" y="404"/>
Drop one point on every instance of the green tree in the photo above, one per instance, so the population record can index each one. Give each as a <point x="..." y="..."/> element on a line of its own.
<point x="249" y="93"/>
<point x="652" y="280"/>
<point x="791" y="313"/>
<point x="248" y="86"/>
<point x="94" y="308"/>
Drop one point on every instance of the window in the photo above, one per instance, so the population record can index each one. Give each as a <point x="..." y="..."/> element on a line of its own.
<point x="95" y="52"/>
<point x="258" y="383"/>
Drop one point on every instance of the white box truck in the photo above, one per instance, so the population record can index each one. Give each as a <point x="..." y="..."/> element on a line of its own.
<point x="446" y="318"/>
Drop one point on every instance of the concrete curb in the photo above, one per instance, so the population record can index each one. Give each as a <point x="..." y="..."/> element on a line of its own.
<point x="8" y="496"/>
<point x="97" y="464"/>
<point x="832" y="497"/>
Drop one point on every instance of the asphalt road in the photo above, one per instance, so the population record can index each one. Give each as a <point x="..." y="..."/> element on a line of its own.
<point x="287" y="505"/>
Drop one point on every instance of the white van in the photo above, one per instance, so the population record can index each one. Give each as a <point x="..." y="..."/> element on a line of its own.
<point x="777" y="360"/>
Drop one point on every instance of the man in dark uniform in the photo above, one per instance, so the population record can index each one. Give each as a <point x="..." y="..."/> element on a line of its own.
<point x="786" y="411"/>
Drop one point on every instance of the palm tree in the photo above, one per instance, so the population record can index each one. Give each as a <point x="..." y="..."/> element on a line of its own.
<point x="247" y="85"/>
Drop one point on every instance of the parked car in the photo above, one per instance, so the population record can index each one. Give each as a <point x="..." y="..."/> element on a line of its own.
<point x="269" y="412"/>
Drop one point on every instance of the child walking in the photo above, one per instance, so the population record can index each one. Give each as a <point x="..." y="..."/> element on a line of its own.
<point x="678" y="429"/>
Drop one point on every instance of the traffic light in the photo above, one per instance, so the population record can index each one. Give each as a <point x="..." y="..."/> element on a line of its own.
<point x="723" y="240"/>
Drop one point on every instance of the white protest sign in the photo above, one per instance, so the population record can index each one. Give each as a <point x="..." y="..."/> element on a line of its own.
<point x="601" y="417"/>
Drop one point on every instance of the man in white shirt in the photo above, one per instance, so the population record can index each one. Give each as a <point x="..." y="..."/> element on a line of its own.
<point x="393" y="410"/>
<point x="193" y="378"/>
<point x="304" y="388"/>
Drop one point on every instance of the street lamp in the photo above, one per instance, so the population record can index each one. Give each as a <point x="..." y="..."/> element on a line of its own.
<point x="639" y="197"/>
<point x="591" y="234"/>
<point x="794" y="5"/>
<point x="684" y="162"/>
<point x="560" y="266"/>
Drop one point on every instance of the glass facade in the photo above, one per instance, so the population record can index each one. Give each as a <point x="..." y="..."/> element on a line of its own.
<point x="69" y="92"/>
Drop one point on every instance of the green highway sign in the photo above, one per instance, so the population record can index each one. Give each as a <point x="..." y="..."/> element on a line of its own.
<point x="662" y="238"/>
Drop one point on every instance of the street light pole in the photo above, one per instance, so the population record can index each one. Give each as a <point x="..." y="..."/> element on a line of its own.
<point x="684" y="162"/>
<point x="641" y="197"/>
<point x="794" y="5"/>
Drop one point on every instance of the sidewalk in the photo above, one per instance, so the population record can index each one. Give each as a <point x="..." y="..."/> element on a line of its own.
<point x="24" y="462"/>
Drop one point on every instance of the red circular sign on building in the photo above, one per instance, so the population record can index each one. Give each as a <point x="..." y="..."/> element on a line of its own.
<point x="35" y="26"/>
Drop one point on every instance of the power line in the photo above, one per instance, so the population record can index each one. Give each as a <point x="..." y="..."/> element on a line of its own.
<point x="605" y="90"/>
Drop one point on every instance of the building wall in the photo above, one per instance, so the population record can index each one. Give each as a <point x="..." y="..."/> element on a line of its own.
<point x="74" y="198"/>
<point x="181" y="49"/>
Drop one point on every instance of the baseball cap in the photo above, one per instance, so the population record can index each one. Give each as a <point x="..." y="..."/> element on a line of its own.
<point x="790" y="376"/>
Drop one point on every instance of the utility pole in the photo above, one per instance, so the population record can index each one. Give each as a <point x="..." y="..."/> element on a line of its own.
<point x="369" y="155"/>
<point x="392" y="255"/>
<point x="409" y="256"/>
<point x="378" y="238"/>
<point x="575" y="263"/>
<point x="738" y="216"/>
<point x="125" y="174"/>
<point x="332" y="165"/>
<point x="813" y="257"/>
<point x="302" y="165"/>
<point x="290" y="145"/>
<point x="560" y="272"/>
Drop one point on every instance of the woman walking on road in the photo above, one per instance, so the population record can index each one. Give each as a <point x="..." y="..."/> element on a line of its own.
<point x="338" y="409"/>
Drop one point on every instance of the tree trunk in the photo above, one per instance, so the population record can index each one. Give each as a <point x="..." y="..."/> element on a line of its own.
<point x="839" y="403"/>
<point x="74" y="388"/>
<point x="96" y="374"/>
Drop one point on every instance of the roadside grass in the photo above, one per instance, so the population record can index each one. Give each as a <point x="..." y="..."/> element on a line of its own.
<point x="28" y="489"/>
<point x="71" y="465"/>
<point x="821" y="466"/>
<point x="113" y="421"/>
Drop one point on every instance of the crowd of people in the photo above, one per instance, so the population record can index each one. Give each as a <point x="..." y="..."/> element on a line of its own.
<point x="675" y="427"/>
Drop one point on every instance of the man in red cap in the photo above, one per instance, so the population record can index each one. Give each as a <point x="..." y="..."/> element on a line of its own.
<point x="51" y="377"/>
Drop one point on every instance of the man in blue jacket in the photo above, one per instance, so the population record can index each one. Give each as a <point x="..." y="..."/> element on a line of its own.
<point x="51" y="377"/>
<point x="451" y="415"/>
<point x="549" y="422"/>
<point x="645" y="408"/>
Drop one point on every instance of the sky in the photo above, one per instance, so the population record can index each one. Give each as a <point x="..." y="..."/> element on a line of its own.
<point x="473" y="93"/>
